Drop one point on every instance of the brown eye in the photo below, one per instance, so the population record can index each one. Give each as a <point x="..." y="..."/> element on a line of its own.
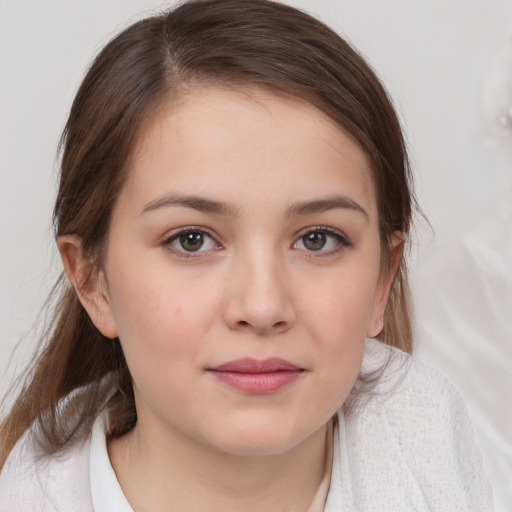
<point x="323" y="240"/>
<point x="192" y="241"/>
<point x="314" y="241"/>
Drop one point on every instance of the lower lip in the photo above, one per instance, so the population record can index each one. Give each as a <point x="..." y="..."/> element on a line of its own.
<point x="257" y="382"/>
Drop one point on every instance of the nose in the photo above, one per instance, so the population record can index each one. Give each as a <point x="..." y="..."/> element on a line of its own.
<point x="259" y="298"/>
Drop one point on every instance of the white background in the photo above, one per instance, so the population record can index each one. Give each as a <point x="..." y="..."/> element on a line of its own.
<point x="431" y="54"/>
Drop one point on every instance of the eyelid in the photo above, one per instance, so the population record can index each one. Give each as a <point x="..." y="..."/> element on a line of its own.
<point x="343" y="240"/>
<point x="172" y="235"/>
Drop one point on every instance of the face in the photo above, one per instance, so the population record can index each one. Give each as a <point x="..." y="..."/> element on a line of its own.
<point x="242" y="270"/>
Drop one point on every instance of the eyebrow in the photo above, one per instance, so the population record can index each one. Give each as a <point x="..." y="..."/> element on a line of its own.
<point x="206" y="205"/>
<point x="325" y="204"/>
<point x="199" y="203"/>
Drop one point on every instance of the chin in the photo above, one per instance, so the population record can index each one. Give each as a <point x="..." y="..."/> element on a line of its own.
<point x="252" y="449"/>
<point x="258" y="440"/>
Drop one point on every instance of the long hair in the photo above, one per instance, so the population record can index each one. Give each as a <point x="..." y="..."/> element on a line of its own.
<point x="234" y="43"/>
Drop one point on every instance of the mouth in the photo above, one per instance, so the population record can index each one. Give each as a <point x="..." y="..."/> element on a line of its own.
<point x="257" y="376"/>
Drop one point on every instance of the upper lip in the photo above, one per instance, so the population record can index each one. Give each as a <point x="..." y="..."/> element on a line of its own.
<point x="250" y="365"/>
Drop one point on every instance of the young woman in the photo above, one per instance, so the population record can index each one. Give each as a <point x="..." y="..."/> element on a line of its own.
<point x="233" y="208"/>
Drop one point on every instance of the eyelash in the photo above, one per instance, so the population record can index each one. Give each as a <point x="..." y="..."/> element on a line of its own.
<point x="168" y="240"/>
<point x="342" y="242"/>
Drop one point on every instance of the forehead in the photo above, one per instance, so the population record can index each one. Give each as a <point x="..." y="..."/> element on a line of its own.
<point x="239" y="142"/>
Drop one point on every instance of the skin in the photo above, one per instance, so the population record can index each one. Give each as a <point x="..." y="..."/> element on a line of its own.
<point x="280" y="169"/>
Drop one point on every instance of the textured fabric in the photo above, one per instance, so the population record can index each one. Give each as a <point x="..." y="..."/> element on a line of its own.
<point x="30" y="482"/>
<point x="407" y="445"/>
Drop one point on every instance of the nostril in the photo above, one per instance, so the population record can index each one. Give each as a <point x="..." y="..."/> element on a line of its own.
<point x="244" y="324"/>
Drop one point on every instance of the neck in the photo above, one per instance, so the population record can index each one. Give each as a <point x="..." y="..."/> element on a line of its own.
<point x="179" y="473"/>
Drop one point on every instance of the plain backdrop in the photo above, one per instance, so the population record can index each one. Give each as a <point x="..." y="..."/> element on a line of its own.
<point x="431" y="54"/>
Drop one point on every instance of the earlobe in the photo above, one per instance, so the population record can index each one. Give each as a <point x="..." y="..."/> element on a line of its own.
<point x="89" y="283"/>
<point x="385" y="284"/>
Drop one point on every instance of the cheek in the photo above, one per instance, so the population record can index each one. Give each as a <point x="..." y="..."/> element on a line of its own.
<point x="161" y="314"/>
<point x="339" y="310"/>
<point x="336" y="316"/>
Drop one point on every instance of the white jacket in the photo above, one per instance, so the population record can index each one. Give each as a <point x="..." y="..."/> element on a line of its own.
<point x="407" y="445"/>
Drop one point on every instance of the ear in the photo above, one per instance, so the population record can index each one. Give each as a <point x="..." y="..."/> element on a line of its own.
<point x="386" y="280"/>
<point x="90" y="284"/>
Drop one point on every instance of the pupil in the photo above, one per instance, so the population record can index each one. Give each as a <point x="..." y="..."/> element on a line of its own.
<point x="314" y="241"/>
<point x="191" y="241"/>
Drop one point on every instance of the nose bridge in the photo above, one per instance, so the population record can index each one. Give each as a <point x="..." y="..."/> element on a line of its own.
<point x="260" y="295"/>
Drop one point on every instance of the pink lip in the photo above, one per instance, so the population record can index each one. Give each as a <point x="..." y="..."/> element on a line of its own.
<point x="255" y="376"/>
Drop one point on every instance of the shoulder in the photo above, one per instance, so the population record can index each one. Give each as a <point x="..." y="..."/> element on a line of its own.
<point x="35" y="481"/>
<point x="405" y="384"/>
<point x="416" y="401"/>
<point x="420" y="406"/>
<point x="414" y="426"/>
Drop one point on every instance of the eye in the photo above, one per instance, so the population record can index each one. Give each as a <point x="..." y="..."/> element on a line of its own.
<point x="190" y="240"/>
<point x="322" y="240"/>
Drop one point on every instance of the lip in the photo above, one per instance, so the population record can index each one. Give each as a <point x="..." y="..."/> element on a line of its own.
<point x="257" y="376"/>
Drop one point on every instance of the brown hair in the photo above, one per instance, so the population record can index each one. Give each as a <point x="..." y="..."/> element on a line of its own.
<point x="255" y="43"/>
